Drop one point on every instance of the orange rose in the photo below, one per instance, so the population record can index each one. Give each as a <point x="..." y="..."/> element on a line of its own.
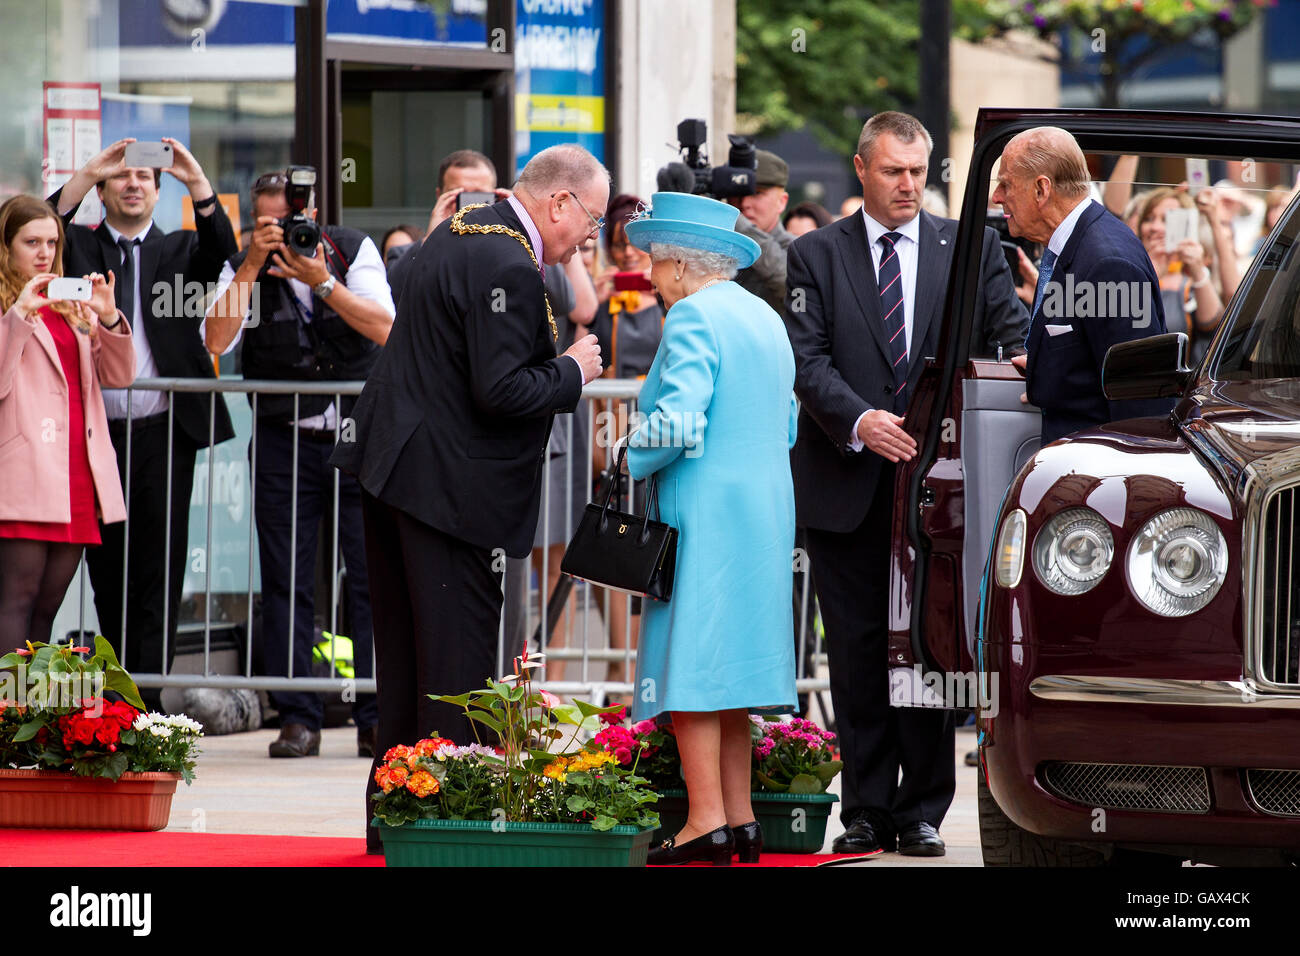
<point x="397" y="775"/>
<point x="400" y="752"/>
<point x="382" y="779"/>
<point x="422" y="783"/>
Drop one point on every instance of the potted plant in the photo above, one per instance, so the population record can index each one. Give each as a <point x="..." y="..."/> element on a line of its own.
<point x="71" y="758"/>
<point x="793" y="765"/>
<point x="521" y="803"/>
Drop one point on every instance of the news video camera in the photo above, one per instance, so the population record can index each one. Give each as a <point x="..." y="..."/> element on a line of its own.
<point x="301" y="233"/>
<point x="694" y="174"/>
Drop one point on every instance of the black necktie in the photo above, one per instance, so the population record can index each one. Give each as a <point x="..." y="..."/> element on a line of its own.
<point x="126" y="291"/>
<point x="890" y="279"/>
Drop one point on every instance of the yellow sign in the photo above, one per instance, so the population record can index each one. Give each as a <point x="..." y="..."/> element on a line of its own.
<point x="540" y="113"/>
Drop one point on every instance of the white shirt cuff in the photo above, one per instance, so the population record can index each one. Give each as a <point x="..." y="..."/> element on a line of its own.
<point x="580" y="372"/>
<point x="855" y="443"/>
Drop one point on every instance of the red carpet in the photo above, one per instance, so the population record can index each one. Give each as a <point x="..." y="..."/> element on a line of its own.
<point x="179" y="848"/>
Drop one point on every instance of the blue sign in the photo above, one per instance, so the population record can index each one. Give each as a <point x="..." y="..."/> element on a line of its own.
<point x="458" y="22"/>
<point x="559" y="76"/>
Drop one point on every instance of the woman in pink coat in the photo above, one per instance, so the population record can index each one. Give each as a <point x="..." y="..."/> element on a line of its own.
<point x="58" y="470"/>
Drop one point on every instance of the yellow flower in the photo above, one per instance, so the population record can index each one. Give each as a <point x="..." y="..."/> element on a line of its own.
<point x="555" y="769"/>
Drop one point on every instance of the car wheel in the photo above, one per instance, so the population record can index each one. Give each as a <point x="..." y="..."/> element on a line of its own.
<point x="1005" y="844"/>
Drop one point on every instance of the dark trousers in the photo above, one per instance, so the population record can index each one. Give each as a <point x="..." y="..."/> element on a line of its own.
<point x="154" y="554"/>
<point x="851" y="574"/>
<point x="276" y="524"/>
<point x="437" y="603"/>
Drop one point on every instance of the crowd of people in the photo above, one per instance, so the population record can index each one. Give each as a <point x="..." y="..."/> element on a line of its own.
<point x="474" y="335"/>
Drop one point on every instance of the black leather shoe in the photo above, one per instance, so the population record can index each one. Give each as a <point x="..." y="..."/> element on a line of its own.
<point x="367" y="741"/>
<point x="920" y="839"/>
<point x="860" y="838"/>
<point x="749" y="841"/>
<point x="716" y="846"/>
<point x="296" y="740"/>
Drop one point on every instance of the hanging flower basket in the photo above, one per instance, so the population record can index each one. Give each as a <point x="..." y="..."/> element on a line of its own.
<point x="51" y="799"/>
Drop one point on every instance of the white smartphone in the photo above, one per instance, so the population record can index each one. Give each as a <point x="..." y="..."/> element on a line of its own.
<point x="154" y="155"/>
<point x="1198" y="175"/>
<point x="66" y="287"/>
<point x="1180" y="224"/>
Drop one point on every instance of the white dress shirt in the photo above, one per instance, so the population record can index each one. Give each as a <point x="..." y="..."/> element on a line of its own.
<point x="142" y="403"/>
<point x="1066" y="229"/>
<point x="908" y="250"/>
<point x="366" y="278"/>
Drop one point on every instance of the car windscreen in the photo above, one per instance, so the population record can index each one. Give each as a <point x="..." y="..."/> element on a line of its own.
<point x="1262" y="340"/>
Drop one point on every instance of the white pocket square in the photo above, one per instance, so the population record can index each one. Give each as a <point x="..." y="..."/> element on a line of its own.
<point x="1059" y="329"/>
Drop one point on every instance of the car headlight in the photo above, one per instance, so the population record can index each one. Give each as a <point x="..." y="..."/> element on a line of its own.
<point x="1177" y="562"/>
<point x="1009" y="556"/>
<point x="1073" y="551"/>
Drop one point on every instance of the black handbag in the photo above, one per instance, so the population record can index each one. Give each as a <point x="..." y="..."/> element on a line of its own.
<point x="624" y="552"/>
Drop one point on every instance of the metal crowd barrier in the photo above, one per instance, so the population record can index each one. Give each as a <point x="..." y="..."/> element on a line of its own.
<point x="526" y="615"/>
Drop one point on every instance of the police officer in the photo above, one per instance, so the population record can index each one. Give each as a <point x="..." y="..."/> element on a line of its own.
<point x="319" y="317"/>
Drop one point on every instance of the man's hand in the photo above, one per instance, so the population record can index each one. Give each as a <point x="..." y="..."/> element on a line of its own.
<point x="587" y="351"/>
<point x="109" y="161"/>
<point x="879" y="430"/>
<point x="445" y="207"/>
<point x="186" y="168"/>
<point x="1028" y="284"/>
<point x="287" y="264"/>
<point x="1022" y="362"/>
<point x="268" y="237"/>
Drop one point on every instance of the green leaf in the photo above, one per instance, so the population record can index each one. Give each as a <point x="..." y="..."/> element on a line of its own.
<point x="117" y="679"/>
<point x="591" y="710"/>
<point x="770" y="784"/>
<point x="459" y="700"/>
<point x="567" y="714"/>
<point x="577" y="803"/>
<point x="497" y="725"/>
<point x="11" y="660"/>
<point x="826" y="771"/>
<point x="579" y="778"/>
<point x="28" y="730"/>
<point x="603" y="822"/>
<point x="805" y="783"/>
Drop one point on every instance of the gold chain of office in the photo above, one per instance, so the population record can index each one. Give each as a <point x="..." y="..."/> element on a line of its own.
<point x="460" y="227"/>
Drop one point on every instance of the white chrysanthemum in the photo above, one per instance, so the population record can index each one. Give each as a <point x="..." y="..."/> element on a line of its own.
<point x="158" y="730"/>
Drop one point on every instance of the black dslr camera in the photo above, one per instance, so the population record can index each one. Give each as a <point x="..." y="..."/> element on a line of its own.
<point x="301" y="233"/>
<point x="694" y="174"/>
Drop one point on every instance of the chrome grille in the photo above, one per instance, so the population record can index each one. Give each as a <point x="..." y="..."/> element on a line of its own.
<point x="1279" y="636"/>
<point x="1275" y="791"/>
<point x="1118" y="786"/>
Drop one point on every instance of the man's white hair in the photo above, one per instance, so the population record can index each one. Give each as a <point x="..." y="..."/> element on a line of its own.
<point x="698" y="262"/>
<point x="567" y="166"/>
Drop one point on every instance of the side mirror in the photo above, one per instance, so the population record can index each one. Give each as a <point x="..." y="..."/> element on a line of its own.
<point x="1154" y="367"/>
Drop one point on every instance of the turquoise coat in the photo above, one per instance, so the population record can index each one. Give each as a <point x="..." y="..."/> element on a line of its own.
<point x="720" y="422"/>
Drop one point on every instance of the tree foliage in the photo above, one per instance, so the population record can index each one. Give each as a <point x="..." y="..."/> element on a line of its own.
<point x="823" y="65"/>
<point x="1124" y="35"/>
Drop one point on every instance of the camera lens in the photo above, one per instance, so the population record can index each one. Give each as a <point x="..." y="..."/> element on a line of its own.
<point x="302" y="237"/>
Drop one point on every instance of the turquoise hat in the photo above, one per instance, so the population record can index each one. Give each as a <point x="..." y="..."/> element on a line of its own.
<point x="696" y="222"/>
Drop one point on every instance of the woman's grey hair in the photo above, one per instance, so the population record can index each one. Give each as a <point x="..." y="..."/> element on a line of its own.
<point x="699" y="263"/>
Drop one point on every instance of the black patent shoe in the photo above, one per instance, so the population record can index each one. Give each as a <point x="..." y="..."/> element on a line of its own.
<point x="749" y="841"/>
<point x="715" y="847"/>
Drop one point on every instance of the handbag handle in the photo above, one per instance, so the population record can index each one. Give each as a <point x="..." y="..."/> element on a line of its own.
<point x="652" y="497"/>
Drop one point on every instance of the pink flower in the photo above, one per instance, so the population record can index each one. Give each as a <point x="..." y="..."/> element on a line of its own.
<point x="616" y="717"/>
<point x="644" y="727"/>
<point x="549" y="700"/>
<point x="623" y="755"/>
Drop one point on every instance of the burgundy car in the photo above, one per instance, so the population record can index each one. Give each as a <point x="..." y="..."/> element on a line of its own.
<point x="1125" y="599"/>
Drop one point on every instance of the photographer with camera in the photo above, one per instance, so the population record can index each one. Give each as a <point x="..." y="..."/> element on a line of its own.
<point x="730" y="183"/>
<point x="324" y="309"/>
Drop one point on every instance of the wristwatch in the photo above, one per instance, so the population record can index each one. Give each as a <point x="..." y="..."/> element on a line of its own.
<point x="325" y="288"/>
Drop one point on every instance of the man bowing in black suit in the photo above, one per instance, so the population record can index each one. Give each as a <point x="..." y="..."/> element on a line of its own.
<point x="449" y="434"/>
<point x="1096" y="283"/>
<point x="153" y="269"/>
<point x="863" y="312"/>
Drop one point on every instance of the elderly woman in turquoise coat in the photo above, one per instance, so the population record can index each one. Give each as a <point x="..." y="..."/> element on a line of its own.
<point x="719" y="423"/>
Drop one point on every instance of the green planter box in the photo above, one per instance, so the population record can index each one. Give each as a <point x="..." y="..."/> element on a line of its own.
<point x="485" y="843"/>
<point x="791" y="822"/>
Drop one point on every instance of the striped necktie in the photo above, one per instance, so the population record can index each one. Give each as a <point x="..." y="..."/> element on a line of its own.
<point x="890" y="279"/>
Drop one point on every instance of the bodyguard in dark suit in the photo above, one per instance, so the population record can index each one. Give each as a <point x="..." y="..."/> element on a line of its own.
<point x="863" y="313"/>
<point x="1096" y="283"/>
<point x="152" y="270"/>
<point x="449" y="436"/>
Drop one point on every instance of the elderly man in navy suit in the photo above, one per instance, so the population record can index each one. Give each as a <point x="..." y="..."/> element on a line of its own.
<point x="1096" y="284"/>
<point x="864" y="311"/>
